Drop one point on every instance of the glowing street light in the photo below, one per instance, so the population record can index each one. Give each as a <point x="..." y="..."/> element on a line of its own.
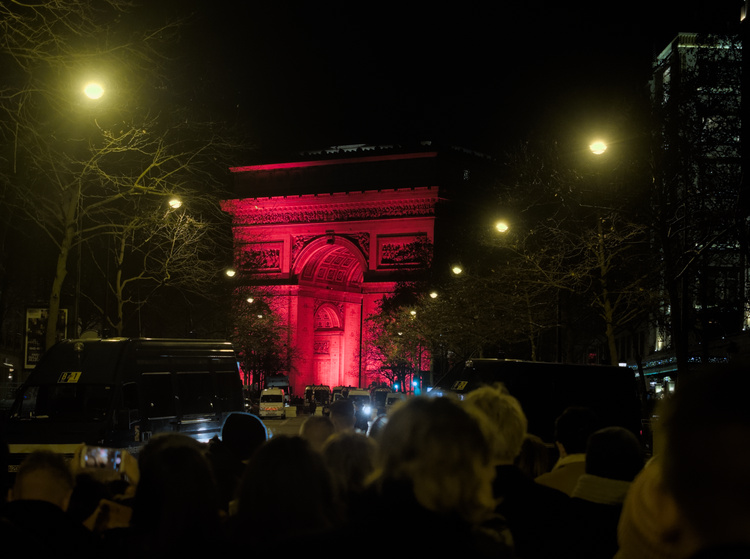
<point x="598" y="147"/>
<point x="433" y="294"/>
<point x="456" y="269"/>
<point x="175" y="203"/>
<point x="93" y="90"/>
<point x="230" y="273"/>
<point x="502" y="226"/>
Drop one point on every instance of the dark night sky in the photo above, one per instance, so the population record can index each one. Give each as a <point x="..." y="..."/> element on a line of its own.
<point x="308" y="75"/>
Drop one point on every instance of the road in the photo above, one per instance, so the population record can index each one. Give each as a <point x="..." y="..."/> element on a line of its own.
<point x="288" y="426"/>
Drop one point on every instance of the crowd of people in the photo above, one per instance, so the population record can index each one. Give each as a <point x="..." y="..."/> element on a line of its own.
<point x="451" y="477"/>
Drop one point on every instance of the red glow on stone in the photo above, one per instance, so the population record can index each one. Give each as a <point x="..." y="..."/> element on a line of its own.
<point x="327" y="261"/>
<point x="303" y="164"/>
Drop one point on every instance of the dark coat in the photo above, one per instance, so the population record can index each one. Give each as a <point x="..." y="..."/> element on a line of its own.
<point x="591" y="529"/>
<point x="33" y="527"/>
<point x="533" y="512"/>
<point x="227" y="469"/>
<point x="429" y="534"/>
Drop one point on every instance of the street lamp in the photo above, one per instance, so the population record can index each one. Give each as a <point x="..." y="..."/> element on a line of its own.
<point x="93" y="90"/>
<point x="457" y="269"/>
<point x="598" y="147"/>
<point x="502" y="226"/>
<point x="175" y="203"/>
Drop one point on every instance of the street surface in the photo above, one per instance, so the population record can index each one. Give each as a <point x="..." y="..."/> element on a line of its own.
<point x="288" y="426"/>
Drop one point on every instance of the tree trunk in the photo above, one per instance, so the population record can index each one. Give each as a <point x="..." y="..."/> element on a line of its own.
<point x="61" y="270"/>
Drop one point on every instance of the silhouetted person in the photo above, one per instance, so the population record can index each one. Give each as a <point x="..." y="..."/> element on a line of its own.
<point x="700" y="487"/>
<point x="343" y="415"/>
<point x="534" y="458"/>
<point x="613" y="459"/>
<point x="176" y="509"/>
<point x="351" y="458"/>
<point x="36" y="510"/>
<point x="241" y="435"/>
<point x="316" y="429"/>
<point x="287" y="498"/>
<point x="377" y="426"/>
<point x="434" y="476"/>
<point x="572" y="430"/>
<point x="641" y="529"/>
<point x="532" y="511"/>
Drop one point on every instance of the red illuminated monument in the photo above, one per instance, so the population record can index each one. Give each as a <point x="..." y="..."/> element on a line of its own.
<point x="330" y="233"/>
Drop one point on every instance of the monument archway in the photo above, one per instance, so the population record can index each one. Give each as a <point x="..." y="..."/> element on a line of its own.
<point x="329" y="273"/>
<point x="329" y="259"/>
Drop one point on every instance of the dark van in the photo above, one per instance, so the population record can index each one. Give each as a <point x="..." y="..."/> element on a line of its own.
<point x="119" y="392"/>
<point x="546" y="389"/>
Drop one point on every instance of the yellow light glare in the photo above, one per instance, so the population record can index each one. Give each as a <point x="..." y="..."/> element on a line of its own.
<point x="501" y="226"/>
<point x="175" y="203"/>
<point x="93" y="90"/>
<point x="230" y="273"/>
<point x="433" y="294"/>
<point x="598" y="147"/>
<point x="457" y="269"/>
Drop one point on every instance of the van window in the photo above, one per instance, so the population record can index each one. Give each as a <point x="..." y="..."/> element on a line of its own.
<point x="159" y="395"/>
<point x="228" y="393"/>
<point x="272" y="398"/>
<point x="196" y="392"/>
<point x="65" y="402"/>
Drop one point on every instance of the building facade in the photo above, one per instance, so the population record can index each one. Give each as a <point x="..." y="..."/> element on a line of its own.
<point x="328" y="235"/>
<point x="700" y="199"/>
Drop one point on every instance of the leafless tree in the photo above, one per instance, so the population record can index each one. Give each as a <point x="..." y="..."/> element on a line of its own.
<point x="80" y="169"/>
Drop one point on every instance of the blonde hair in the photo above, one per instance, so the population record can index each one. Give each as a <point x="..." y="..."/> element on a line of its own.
<point x="440" y="448"/>
<point x="507" y="426"/>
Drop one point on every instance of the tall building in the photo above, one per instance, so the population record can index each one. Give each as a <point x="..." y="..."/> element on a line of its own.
<point x="700" y="198"/>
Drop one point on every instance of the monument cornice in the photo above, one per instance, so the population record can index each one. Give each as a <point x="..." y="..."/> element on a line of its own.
<point x="336" y="207"/>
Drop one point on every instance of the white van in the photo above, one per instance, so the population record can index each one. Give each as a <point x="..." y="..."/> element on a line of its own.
<point x="272" y="403"/>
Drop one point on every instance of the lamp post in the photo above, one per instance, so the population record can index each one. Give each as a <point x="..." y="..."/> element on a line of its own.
<point x="598" y="148"/>
<point x="93" y="91"/>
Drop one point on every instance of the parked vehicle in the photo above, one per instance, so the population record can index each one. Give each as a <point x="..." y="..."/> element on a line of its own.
<point x="272" y="403"/>
<point x="363" y="410"/>
<point x="378" y="396"/>
<point x="392" y="399"/>
<point x="338" y="392"/>
<point x="119" y="392"/>
<point x="546" y="389"/>
<point x="317" y="398"/>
